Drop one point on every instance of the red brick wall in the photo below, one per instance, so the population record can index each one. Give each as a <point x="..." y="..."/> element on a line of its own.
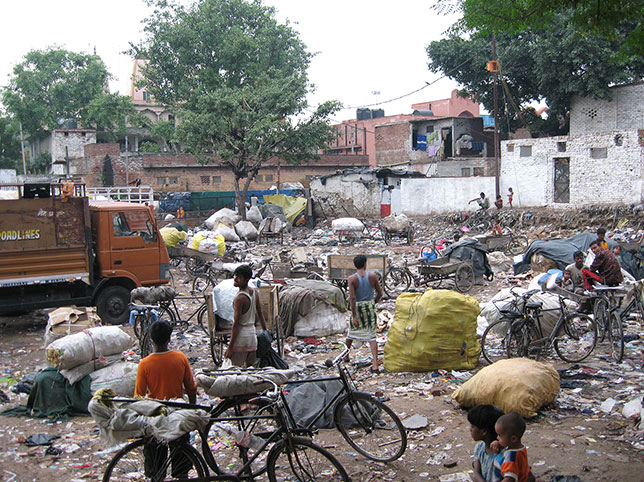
<point x="393" y="143"/>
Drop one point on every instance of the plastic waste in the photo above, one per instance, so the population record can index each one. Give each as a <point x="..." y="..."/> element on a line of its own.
<point x="241" y="437"/>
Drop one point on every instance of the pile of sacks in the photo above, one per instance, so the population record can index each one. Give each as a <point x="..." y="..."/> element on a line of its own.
<point x="96" y="352"/>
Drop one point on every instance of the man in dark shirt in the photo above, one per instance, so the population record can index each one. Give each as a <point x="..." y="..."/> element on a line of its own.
<point x="605" y="268"/>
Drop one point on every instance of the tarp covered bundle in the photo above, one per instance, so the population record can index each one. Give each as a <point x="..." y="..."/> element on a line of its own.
<point x="471" y="249"/>
<point x="433" y="330"/>
<point x="292" y="206"/>
<point x="230" y="385"/>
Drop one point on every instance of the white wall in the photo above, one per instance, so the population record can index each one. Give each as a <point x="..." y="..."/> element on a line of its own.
<point x="444" y="194"/>
<point x="611" y="180"/>
<point x="624" y="111"/>
<point x="362" y="191"/>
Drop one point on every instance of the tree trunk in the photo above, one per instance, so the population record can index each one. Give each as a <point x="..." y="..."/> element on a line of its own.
<point x="240" y="196"/>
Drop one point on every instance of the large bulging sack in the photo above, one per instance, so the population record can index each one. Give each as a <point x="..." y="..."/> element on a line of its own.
<point x="246" y="230"/>
<point x="120" y="377"/>
<point x="254" y="215"/>
<point x="514" y="385"/>
<point x="214" y="219"/>
<point x="227" y="232"/>
<point x="172" y="236"/>
<point x="83" y="347"/>
<point x="346" y="224"/>
<point x="433" y="330"/>
<point x="216" y="245"/>
<point x="396" y="222"/>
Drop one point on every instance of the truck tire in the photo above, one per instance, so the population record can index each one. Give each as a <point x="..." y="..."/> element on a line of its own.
<point x="112" y="305"/>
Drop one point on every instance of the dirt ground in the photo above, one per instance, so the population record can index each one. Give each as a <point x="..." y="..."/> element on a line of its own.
<point x="574" y="436"/>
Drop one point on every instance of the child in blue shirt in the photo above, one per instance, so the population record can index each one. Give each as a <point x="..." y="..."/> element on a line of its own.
<point x="482" y="420"/>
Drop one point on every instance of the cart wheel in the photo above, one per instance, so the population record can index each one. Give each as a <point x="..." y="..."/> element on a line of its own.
<point x="193" y="265"/>
<point x="217" y="343"/>
<point x="387" y="238"/>
<point x="464" y="278"/>
<point x="518" y="245"/>
<point x="396" y="282"/>
<point x="410" y="236"/>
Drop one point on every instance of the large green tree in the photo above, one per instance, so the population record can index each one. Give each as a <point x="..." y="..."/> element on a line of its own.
<point x="603" y="17"/>
<point x="10" y="155"/>
<point x="237" y="80"/>
<point x="539" y="64"/>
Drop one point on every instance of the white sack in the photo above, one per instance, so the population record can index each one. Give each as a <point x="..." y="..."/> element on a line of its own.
<point x="120" y="377"/>
<point x="78" y="373"/>
<point x="396" y="222"/>
<point x="211" y="222"/>
<point x="232" y="385"/>
<point x="323" y="320"/>
<point x="223" y="296"/>
<point x="246" y="230"/>
<point x="83" y="347"/>
<point x="228" y="233"/>
<point x="254" y="215"/>
<point x="346" y="224"/>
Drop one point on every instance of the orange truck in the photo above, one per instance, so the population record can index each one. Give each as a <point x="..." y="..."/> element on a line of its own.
<point x="57" y="248"/>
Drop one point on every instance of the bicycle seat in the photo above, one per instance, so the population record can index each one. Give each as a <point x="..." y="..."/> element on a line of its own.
<point x="534" y="305"/>
<point x="511" y="314"/>
<point x="267" y="259"/>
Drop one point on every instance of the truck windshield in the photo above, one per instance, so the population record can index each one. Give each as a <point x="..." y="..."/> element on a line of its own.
<point x="133" y="223"/>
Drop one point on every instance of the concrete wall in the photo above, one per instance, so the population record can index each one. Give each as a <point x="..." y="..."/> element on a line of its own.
<point x="436" y="195"/>
<point x="8" y="176"/>
<point x="356" y="195"/>
<point x="617" y="178"/>
<point x="452" y="107"/>
<point x="71" y="144"/>
<point x="624" y="111"/>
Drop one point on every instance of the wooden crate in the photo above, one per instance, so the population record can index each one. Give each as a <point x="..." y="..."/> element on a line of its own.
<point x="269" y="300"/>
<point x="341" y="265"/>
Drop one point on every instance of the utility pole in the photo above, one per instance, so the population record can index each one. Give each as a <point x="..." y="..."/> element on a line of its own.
<point x="497" y="166"/>
<point x="127" y="163"/>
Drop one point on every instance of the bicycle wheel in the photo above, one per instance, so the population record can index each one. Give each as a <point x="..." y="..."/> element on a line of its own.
<point x="494" y="340"/>
<point x="136" y="461"/>
<point x="600" y="314"/>
<point x="299" y="459"/>
<point x="370" y="427"/>
<point x="396" y="282"/>
<point x="145" y="343"/>
<point x="201" y="284"/>
<point x="518" y="244"/>
<point x="194" y="265"/>
<point x="202" y="319"/>
<point x="518" y="340"/>
<point x="217" y="343"/>
<point x="228" y="458"/>
<point x="616" y="334"/>
<point x="576" y="337"/>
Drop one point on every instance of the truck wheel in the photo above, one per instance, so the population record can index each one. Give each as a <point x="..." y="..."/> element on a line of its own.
<point x="112" y="305"/>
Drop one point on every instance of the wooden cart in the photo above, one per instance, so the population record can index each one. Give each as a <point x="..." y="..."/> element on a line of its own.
<point x="340" y="267"/>
<point x="193" y="260"/>
<point x="510" y="244"/>
<point x="440" y="269"/>
<point x="390" y="235"/>
<point x="219" y="329"/>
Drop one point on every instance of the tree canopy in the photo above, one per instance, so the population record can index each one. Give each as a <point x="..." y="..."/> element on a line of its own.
<point x="539" y="64"/>
<point x="9" y="144"/>
<point x="605" y="18"/>
<point x="237" y="79"/>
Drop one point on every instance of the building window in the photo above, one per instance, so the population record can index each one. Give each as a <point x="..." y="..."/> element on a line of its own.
<point x="619" y="140"/>
<point x="525" y="151"/>
<point x="216" y="179"/>
<point x="429" y="129"/>
<point x="510" y="147"/>
<point x="66" y="134"/>
<point x="205" y="180"/>
<point x="173" y="180"/>
<point x="479" y="171"/>
<point x="465" y="171"/>
<point x="561" y="147"/>
<point x="590" y="112"/>
<point x="146" y="96"/>
<point x="161" y="181"/>
<point x="268" y="178"/>
<point x="598" y="152"/>
<point x="83" y="134"/>
<point x="259" y="178"/>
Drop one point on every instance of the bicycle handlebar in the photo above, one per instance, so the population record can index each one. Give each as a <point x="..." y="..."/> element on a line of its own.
<point x="134" y="306"/>
<point x="330" y="363"/>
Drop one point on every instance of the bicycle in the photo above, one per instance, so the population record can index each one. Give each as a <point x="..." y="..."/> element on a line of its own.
<point x="608" y="318"/>
<point x="290" y="455"/>
<point x="143" y="318"/>
<point x="216" y="271"/>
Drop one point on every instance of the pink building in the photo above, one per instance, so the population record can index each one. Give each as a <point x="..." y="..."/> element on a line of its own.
<point x="455" y="106"/>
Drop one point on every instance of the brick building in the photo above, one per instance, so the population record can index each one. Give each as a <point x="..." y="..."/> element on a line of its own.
<point x="171" y="173"/>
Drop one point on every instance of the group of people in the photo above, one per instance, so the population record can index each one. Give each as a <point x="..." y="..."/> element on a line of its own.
<point x="484" y="202"/>
<point x="605" y="268"/>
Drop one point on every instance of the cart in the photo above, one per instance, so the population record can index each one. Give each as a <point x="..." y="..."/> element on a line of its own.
<point x="439" y="269"/>
<point x="510" y="244"/>
<point x="390" y="235"/>
<point x="193" y="260"/>
<point x="340" y="267"/>
<point x="270" y="229"/>
<point x="220" y="329"/>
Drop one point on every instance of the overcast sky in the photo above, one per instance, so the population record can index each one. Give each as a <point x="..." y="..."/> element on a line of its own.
<point x="362" y="47"/>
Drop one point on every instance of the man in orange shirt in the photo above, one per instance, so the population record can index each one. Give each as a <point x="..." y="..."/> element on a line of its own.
<point x="164" y="374"/>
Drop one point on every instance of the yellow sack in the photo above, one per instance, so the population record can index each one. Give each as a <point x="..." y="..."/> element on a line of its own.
<point x="433" y="330"/>
<point x="197" y="238"/>
<point x="172" y="236"/>
<point x="514" y="385"/>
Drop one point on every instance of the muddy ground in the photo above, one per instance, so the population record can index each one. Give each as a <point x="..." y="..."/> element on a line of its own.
<point x="574" y="436"/>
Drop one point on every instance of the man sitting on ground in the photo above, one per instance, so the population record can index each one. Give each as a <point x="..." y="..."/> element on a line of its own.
<point x="605" y="268"/>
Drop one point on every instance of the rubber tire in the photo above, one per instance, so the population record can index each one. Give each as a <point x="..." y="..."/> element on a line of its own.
<point x="217" y="343"/>
<point x="518" y="245"/>
<point x="193" y="265"/>
<point x="228" y="453"/>
<point x="600" y="315"/>
<point x="616" y="335"/>
<point x="565" y="331"/>
<point x="202" y="319"/>
<point x="348" y="401"/>
<point x="201" y="283"/>
<point x="464" y="278"/>
<point x="400" y="280"/>
<point x="303" y="443"/>
<point x="187" y="450"/>
<point x="112" y="305"/>
<point x="520" y="337"/>
<point x="486" y="341"/>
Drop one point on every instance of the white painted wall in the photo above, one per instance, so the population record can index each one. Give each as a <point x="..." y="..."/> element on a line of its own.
<point x="443" y="194"/>
<point x="362" y="190"/>
<point x="611" y="180"/>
